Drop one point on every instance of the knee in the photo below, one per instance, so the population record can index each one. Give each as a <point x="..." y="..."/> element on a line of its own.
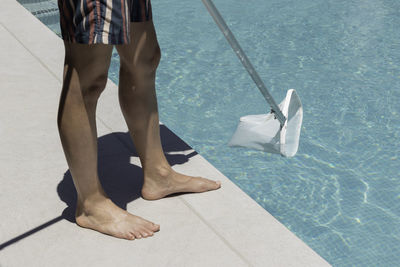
<point x="92" y="89"/>
<point x="155" y="58"/>
<point x="142" y="62"/>
<point x="149" y="60"/>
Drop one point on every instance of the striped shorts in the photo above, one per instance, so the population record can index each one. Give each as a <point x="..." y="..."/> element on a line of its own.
<point x="101" y="21"/>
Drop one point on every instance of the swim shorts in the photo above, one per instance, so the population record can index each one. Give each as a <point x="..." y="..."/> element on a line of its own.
<point x="101" y="21"/>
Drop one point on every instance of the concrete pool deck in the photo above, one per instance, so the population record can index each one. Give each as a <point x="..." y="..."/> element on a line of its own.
<point x="223" y="227"/>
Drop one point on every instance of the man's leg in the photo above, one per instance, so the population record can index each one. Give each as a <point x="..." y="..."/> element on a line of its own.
<point x="85" y="77"/>
<point x="137" y="96"/>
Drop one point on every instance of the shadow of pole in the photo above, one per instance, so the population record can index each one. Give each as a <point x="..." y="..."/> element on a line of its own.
<point x="121" y="180"/>
<point x="30" y="232"/>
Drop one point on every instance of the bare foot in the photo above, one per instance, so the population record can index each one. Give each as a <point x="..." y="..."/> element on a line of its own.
<point x="165" y="181"/>
<point x="104" y="216"/>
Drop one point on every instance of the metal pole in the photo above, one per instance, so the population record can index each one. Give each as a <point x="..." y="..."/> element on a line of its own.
<point x="243" y="58"/>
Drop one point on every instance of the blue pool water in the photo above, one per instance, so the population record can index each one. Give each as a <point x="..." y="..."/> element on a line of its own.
<point x="341" y="193"/>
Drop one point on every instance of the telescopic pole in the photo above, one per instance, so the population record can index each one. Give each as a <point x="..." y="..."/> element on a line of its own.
<point x="243" y="58"/>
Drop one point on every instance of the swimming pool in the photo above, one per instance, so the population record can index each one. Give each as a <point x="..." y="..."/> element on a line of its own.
<point x="341" y="193"/>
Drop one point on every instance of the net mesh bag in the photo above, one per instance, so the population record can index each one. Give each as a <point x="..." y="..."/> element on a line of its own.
<point x="264" y="131"/>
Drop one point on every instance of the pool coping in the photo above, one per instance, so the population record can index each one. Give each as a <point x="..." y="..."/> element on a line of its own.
<point x="207" y="229"/>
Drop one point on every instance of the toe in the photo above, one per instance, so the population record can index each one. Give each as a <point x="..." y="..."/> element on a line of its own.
<point x="155" y="227"/>
<point x="130" y="236"/>
<point x="151" y="226"/>
<point x="215" y="184"/>
<point x="207" y="184"/>
<point x="138" y="235"/>
<point x="146" y="233"/>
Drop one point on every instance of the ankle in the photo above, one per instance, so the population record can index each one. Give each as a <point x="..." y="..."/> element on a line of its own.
<point x="162" y="171"/>
<point x="87" y="203"/>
